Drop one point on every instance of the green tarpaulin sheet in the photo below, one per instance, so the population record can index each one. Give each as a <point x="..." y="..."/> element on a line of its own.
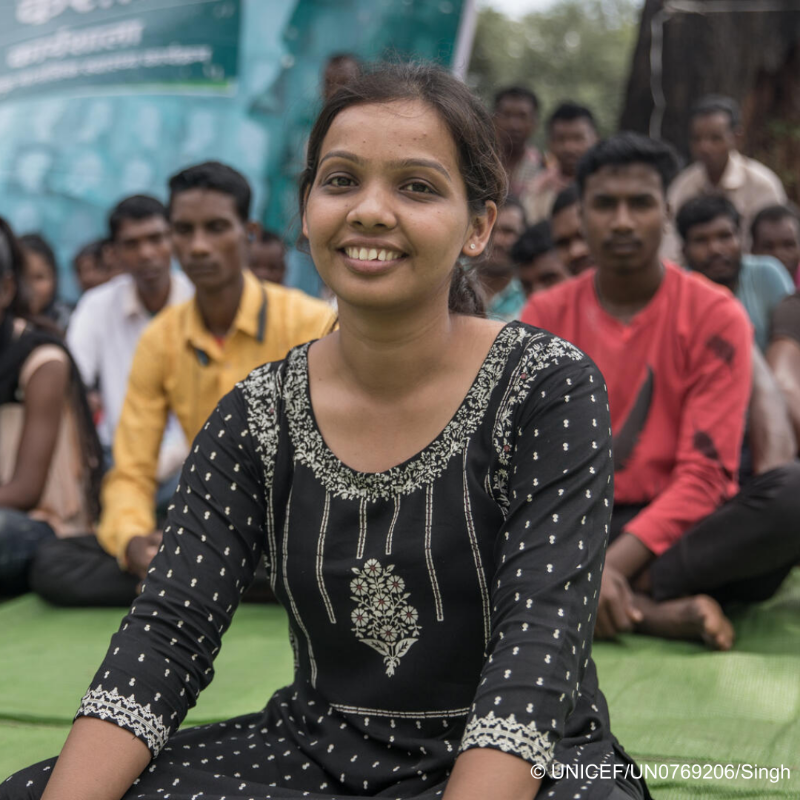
<point x="674" y="705"/>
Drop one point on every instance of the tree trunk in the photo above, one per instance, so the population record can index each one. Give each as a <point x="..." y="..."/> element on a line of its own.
<point x="752" y="56"/>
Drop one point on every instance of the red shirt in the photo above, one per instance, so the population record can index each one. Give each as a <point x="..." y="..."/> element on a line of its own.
<point x="678" y="378"/>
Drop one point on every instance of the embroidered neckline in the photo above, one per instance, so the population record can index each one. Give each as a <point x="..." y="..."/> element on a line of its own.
<point x="421" y="469"/>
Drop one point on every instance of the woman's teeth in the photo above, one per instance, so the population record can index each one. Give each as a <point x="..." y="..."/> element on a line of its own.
<point x="365" y="254"/>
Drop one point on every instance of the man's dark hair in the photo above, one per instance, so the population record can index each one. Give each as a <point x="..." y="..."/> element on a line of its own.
<point x="624" y="150"/>
<point x="517" y="93"/>
<point x="91" y="250"/>
<point x="775" y="213"/>
<point x="137" y="208"/>
<point x="534" y="242"/>
<point x="215" y="177"/>
<point x="36" y="243"/>
<point x="266" y="236"/>
<point x="564" y="199"/>
<point x="717" y="104"/>
<point x="703" y="209"/>
<point x="569" y="112"/>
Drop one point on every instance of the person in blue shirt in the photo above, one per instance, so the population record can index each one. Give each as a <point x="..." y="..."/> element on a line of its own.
<point x="709" y="226"/>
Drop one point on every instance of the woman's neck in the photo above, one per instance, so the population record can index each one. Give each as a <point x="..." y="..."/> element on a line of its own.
<point x="390" y="356"/>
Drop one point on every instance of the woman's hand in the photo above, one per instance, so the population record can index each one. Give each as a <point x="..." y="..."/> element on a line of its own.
<point x="480" y="773"/>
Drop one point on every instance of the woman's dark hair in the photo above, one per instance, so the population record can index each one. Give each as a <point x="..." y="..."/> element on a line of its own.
<point x="469" y="123"/>
<point x="703" y="209"/>
<point x="12" y="262"/>
<point x="36" y="243"/>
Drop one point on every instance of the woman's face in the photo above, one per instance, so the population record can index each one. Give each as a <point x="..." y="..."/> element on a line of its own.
<point x="387" y="215"/>
<point x="40" y="281"/>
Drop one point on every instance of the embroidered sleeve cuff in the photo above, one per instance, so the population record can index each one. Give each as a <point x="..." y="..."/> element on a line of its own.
<point x="510" y="736"/>
<point x="127" y="713"/>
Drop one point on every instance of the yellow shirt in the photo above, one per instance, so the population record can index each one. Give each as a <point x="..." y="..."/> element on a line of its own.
<point x="180" y="367"/>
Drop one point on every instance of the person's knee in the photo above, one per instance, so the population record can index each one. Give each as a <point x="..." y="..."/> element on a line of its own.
<point x="28" y="784"/>
<point x="785" y="502"/>
<point x="78" y="572"/>
<point x="50" y="575"/>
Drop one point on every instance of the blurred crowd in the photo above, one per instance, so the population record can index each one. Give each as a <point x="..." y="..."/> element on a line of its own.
<point x="179" y="302"/>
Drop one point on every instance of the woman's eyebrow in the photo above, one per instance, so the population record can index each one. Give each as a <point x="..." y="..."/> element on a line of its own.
<point x="345" y="154"/>
<point x="420" y="162"/>
<point x="401" y="164"/>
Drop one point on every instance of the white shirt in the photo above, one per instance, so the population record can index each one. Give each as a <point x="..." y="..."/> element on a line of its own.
<point x="102" y="336"/>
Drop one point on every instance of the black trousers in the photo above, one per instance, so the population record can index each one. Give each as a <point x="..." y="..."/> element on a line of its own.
<point x="741" y="552"/>
<point x="78" y="572"/>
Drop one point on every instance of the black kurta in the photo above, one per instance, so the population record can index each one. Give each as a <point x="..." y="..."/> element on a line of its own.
<point x="444" y="604"/>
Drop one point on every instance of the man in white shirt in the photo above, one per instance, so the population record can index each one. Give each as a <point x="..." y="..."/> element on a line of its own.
<point x="109" y="319"/>
<point x="719" y="168"/>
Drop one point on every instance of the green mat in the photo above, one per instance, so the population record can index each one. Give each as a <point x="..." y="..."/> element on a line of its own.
<point x="673" y="705"/>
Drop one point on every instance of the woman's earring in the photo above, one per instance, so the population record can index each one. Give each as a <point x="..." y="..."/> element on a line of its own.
<point x="472" y="246"/>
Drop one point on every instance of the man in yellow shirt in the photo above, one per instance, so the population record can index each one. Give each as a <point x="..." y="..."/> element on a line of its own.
<point x="187" y="359"/>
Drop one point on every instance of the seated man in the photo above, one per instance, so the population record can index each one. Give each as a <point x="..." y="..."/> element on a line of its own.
<point x="516" y="118"/>
<point x="538" y="265"/>
<point x="776" y="232"/>
<point x="565" y="228"/>
<point x="719" y="168"/>
<point x="571" y="131"/>
<point x="709" y="228"/>
<point x="186" y="360"/>
<point x="676" y="353"/>
<point x="109" y="319"/>
<point x="496" y="271"/>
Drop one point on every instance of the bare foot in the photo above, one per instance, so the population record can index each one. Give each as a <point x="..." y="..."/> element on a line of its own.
<point x="694" y="618"/>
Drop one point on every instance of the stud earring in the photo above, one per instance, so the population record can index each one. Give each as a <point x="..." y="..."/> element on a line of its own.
<point x="472" y="246"/>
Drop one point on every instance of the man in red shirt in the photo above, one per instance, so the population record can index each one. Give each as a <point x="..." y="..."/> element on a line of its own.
<point x="676" y="353"/>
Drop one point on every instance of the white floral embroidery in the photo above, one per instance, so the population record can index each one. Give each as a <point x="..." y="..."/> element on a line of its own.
<point x="382" y="618"/>
<point x="525" y="741"/>
<point x="262" y="390"/>
<point x="542" y="351"/>
<point x="127" y="713"/>
<point x="424" y="468"/>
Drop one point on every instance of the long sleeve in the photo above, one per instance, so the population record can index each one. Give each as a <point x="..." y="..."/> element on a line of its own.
<point x="129" y="489"/>
<point x="549" y="554"/>
<point x="710" y="434"/>
<point x="162" y="656"/>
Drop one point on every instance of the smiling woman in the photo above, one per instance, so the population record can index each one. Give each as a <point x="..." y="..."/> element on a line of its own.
<point x="431" y="491"/>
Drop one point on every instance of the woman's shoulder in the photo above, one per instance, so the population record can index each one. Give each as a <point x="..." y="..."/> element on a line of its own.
<point x="45" y="349"/>
<point x="542" y="366"/>
<point x="540" y="350"/>
<point x="267" y="381"/>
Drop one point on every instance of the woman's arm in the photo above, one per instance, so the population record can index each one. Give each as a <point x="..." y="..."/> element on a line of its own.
<point x="45" y="394"/>
<point x="555" y="470"/>
<point x="98" y="762"/>
<point x="479" y="774"/>
<point x="162" y="656"/>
